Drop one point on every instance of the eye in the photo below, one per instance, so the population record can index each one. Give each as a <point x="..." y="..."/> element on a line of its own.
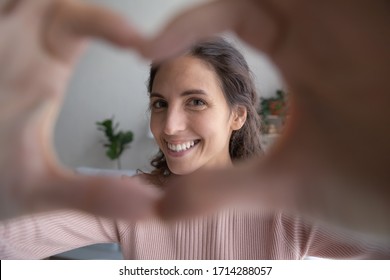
<point x="196" y="102"/>
<point x="159" y="104"/>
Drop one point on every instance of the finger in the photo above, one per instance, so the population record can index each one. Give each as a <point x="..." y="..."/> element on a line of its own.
<point x="249" y="183"/>
<point x="96" y="21"/>
<point x="7" y="6"/>
<point x="70" y="22"/>
<point x="125" y="177"/>
<point x="298" y="178"/>
<point x="206" y="20"/>
<point x="104" y="196"/>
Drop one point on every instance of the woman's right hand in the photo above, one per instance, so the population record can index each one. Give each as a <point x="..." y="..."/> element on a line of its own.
<point x="41" y="41"/>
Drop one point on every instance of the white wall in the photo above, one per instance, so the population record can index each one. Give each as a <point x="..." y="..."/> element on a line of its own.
<point x="110" y="82"/>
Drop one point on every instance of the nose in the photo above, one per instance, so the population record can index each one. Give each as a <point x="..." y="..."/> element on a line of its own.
<point x="175" y="121"/>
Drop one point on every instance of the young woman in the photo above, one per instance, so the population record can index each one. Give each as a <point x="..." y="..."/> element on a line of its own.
<point x="203" y="116"/>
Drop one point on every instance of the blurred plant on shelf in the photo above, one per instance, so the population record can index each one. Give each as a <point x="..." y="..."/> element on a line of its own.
<point x="273" y="112"/>
<point x="117" y="141"/>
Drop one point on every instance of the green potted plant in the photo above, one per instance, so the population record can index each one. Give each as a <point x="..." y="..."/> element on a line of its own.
<point x="273" y="111"/>
<point x="117" y="141"/>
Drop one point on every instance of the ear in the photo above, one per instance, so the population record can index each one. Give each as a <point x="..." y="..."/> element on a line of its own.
<point x="239" y="117"/>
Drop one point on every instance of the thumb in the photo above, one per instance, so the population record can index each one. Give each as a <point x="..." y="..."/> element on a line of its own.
<point x="104" y="196"/>
<point x="251" y="183"/>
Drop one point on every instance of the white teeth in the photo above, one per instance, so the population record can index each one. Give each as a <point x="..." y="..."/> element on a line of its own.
<point x="181" y="147"/>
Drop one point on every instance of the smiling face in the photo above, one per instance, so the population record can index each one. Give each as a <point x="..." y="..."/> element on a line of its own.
<point x="190" y="118"/>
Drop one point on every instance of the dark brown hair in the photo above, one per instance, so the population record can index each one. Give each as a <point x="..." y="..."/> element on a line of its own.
<point x="239" y="90"/>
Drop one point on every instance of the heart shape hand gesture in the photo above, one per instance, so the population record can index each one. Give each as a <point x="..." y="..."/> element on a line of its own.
<point x="331" y="162"/>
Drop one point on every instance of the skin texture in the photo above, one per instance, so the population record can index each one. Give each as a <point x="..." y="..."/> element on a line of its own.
<point x="331" y="162"/>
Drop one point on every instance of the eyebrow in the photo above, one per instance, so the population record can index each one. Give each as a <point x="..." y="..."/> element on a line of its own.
<point x="184" y="93"/>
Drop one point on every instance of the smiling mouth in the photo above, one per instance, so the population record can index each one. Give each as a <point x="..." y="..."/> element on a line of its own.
<point x="176" y="148"/>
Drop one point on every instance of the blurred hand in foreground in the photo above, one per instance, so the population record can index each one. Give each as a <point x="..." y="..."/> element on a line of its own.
<point x="332" y="161"/>
<point x="41" y="41"/>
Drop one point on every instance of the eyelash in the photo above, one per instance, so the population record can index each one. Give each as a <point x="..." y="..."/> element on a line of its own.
<point x="155" y="104"/>
<point x="197" y="100"/>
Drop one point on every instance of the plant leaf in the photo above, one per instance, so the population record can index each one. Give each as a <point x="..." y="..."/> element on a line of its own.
<point x="117" y="140"/>
<point x="112" y="152"/>
<point x="127" y="137"/>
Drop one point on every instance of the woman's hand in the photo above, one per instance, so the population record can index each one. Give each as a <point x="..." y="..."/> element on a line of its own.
<point x="332" y="160"/>
<point x="41" y="41"/>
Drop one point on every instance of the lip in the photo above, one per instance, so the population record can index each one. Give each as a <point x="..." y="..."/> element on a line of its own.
<point x="181" y="153"/>
<point x="178" y="141"/>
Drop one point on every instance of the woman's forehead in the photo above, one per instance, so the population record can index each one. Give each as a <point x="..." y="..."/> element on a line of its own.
<point x="185" y="73"/>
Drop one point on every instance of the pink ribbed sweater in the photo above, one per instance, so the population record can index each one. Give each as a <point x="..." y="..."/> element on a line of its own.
<point x="228" y="234"/>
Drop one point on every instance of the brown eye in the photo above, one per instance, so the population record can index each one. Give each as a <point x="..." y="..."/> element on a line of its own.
<point x="197" y="102"/>
<point x="159" y="104"/>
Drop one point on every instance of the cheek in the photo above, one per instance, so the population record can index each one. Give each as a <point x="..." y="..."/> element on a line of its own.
<point x="155" y="127"/>
<point x="215" y="128"/>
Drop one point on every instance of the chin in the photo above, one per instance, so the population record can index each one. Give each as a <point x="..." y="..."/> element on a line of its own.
<point x="181" y="171"/>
